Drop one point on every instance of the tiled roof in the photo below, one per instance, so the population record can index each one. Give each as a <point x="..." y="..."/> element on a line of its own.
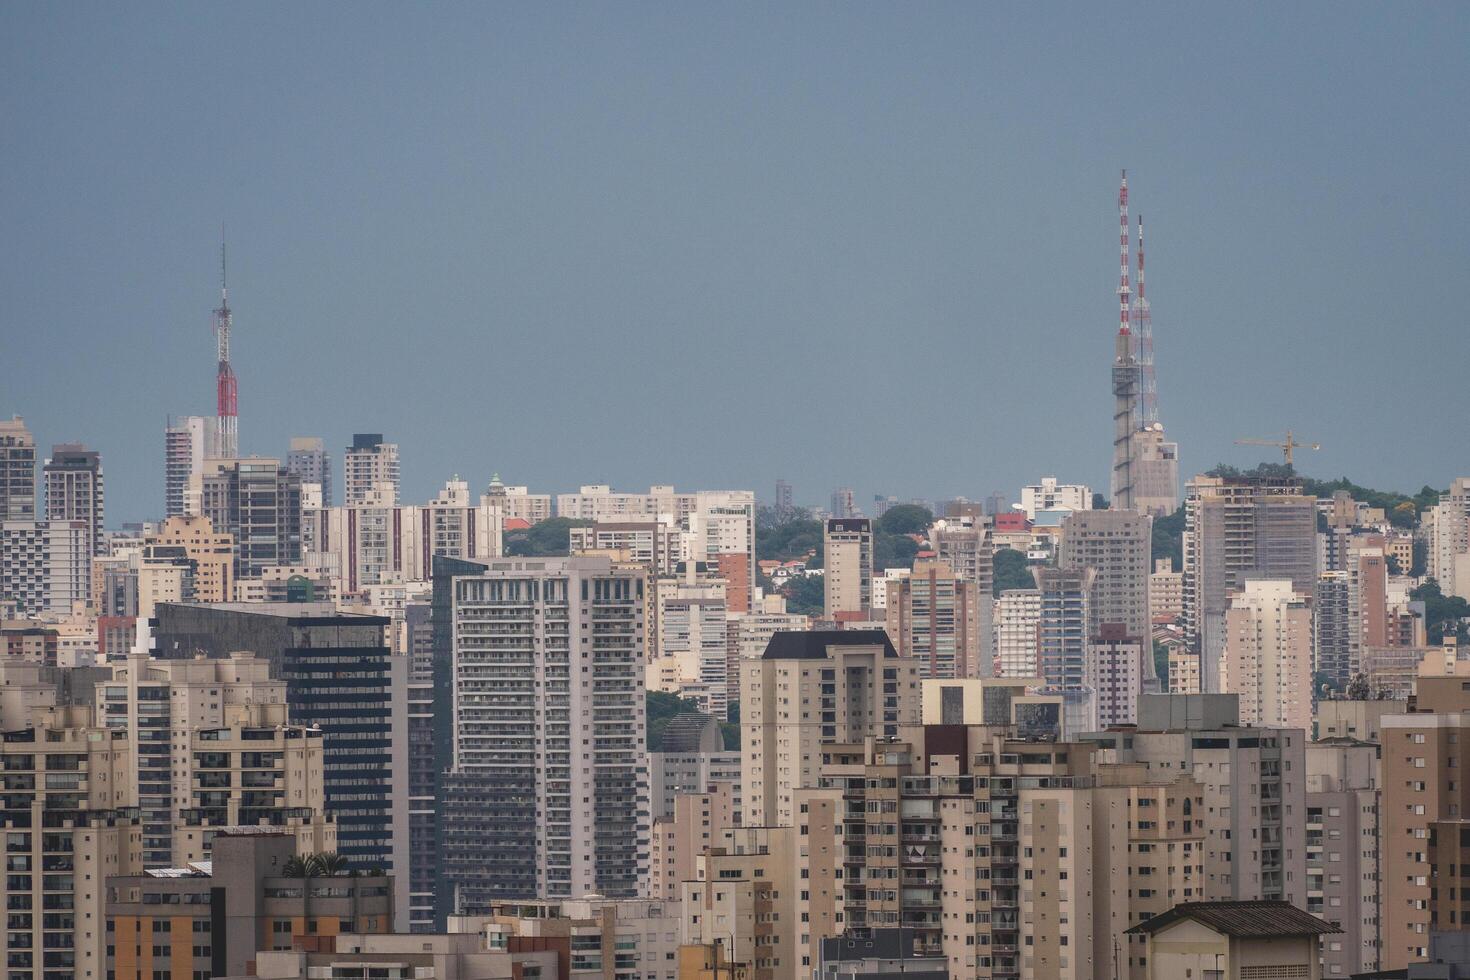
<point x="1254" y="920"/>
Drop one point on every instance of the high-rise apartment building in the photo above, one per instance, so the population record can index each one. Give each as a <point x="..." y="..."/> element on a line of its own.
<point x="654" y="544"/>
<point x="186" y="444"/>
<point x="1017" y="632"/>
<point x="370" y="471"/>
<point x="258" y="503"/>
<point x="1268" y="654"/>
<point x="965" y="542"/>
<point x="308" y="459"/>
<point x="692" y="654"/>
<point x="1343" y="846"/>
<point x="847" y="582"/>
<point x="1064" y="616"/>
<point x="208" y="554"/>
<point x="1050" y="495"/>
<point x="1115" y="544"/>
<point x="73" y="490"/>
<point x="934" y="617"/>
<point x="17" y="471"/>
<point x="212" y="749"/>
<point x="1425" y="802"/>
<point x="548" y="792"/>
<point x="809" y="690"/>
<point x="1237" y="529"/>
<point x="70" y="825"/>
<point x="45" y="566"/>
<point x="342" y="678"/>
<point x="1254" y="799"/>
<point x="1114" y="673"/>
<point x="1449" y="539"/>
<point x="518" y="503"/>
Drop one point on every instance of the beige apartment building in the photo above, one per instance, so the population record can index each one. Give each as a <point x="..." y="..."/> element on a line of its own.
<point x="1425" y="802"/>
<point x="1268" y="655"/>
<point x="1361" y="721"/>
<point x="847" y="581"/>
<point x="679" y="841"/>
<point x="67" y="806"/>
<point x="1018" y="632"/>
<point x="209" y="553"/>
<point x="809" y="690"/>
<point x="1342" y="851"/>
<point x="934" y="617"/>
<point x="1165" y="591"/>
<point x="1115" y="544"/>
<point x="594" y="938"/>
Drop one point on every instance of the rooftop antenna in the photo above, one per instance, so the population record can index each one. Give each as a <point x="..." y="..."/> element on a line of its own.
<point x="1148" y="395"/>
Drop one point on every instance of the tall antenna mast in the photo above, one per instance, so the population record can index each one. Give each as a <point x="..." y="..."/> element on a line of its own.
<point x="227" y="433"/>
<point x="1125" y="371"/>
<point x="1148" y="394"/>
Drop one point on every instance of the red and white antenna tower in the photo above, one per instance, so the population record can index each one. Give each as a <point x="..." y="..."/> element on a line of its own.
<point x="227" y="432"/>
<point x="1143" y="338"/>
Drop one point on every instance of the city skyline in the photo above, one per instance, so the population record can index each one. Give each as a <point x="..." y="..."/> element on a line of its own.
<point x="430" y="241"/>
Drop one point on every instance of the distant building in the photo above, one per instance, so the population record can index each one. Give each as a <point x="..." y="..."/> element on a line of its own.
<point x="848" y="581"/>
<point x="934" y="616"/>
<point x="17" y="471"/>
<point x="1050" y="495"/>
<point x="1114" y="673"/>
<point x="844" y="503"/>
<point x="1017" y="632"/>
<point x="519" y="502"/>
<point x="370" y="471"/>
<point x="1155" y="472"/>
<point x="784" y="505"/>
<point x="258" y="503"/>
<point x="1268" y="654"/>
<point x="1165" y="592"/>
<point x="186" y="444"/>
<point x="309" y="460"/>
<point x="73" y="491"/>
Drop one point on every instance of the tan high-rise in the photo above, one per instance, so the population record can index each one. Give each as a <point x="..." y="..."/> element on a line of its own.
<point x="847" y="582"/>
<point x="1268" y="655"/>
<point x="934" y="616"/>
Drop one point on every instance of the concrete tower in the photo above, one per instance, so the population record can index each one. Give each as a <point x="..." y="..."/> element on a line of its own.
<point x="1125" y="372"/>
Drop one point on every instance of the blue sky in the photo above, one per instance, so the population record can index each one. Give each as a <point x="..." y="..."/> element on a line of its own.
<point x="713" y="245"/>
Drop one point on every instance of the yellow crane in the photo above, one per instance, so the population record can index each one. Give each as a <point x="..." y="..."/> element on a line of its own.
<point x="1286" y="445"/>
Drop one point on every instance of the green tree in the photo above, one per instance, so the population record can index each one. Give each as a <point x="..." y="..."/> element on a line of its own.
<point x="730" y="728"/>
<point x="792" y="540"/>
<point x="1011" y="571"/>
<point x="1161" y="664"/>
<point x="547" y="539"/>
<point x="893" y="551"/>
<point x="1441" y="612"/>
<point x="905" y="519"/>
<point x="1168" y="538"/>
<point x="805" y="595"/>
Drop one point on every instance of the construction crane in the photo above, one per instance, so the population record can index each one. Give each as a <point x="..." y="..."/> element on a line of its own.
<point x="1286" y="446"/>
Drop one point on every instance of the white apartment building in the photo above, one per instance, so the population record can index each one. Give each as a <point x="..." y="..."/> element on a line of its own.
<point x="1050" y="495"/>
<point x="1017" y="632"/>
<point x="692" y="656"/>
<point x="1449" y="539"/>
<point x="519" y="502"/>
<point x="548" y="794"/>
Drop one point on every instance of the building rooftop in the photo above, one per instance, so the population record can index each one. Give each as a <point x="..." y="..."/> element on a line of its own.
<point x="1243" y="920"/>
<point x="813" y="644"/>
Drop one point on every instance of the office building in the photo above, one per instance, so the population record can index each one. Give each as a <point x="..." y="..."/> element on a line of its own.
<point x="1268" y="655"/>
<point x="809" y="690"/>
<point x="222" y="917"/>
<point x="1343" y="846"/>
<point x="1237" y="529"/>
<point x="309" y="460"/>
<point x="847" y="583"/>
<point x="17" y="471"/>
<point x="548" y="794"/>
<point x="1050" y="495"/>
<point x="370" y="471"/>
<point x="340" y="677"/>
<point x="934" y="617"/>
<point x="186" y="444"/>
<point x="67" y="810"/>
<point x="258" y="503"/>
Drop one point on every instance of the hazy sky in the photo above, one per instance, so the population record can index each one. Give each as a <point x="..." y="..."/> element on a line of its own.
<point x="713" y="245"/>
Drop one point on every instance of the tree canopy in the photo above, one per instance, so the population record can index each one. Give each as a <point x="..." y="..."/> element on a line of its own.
<point x="1442" y="612"/>
<point x="1011" y="571"/>
<point x="905" y="519"/>
<point x="549" y="538"/>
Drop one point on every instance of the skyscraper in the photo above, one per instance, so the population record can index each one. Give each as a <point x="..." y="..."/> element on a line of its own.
<point x="1117" y="545"/>
<point x="370" y="466"/>
<point x="73" y="477"/>
<point x="548" y="791"/>
<point x="310" y="460"/>
<point x="186" y="444"/>
<point x="17" y="471"/>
